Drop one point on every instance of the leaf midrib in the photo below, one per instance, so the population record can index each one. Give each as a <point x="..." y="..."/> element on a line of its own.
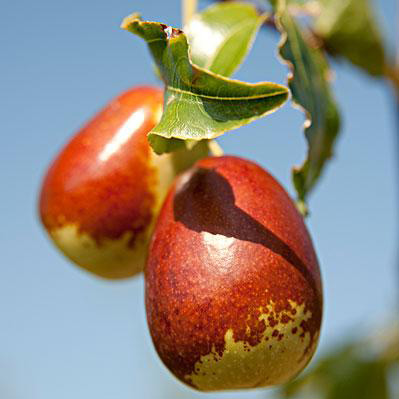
<point x="255" y="97"/>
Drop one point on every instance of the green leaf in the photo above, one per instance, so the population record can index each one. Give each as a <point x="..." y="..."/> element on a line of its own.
<point x="366" y="380"/>
<point x="198" y="103"/>
<point x="349" y="29"/>
<point x="221" y="36"/>
<point x="358" y="368"/>
<point x="344" y="373"/>
<point x="311" y="92"/>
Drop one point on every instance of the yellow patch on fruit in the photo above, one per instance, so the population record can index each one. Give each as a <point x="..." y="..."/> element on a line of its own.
<point x="274" y="360"/>
<point x="166" y="172"/>
<point x="109" y="259"/>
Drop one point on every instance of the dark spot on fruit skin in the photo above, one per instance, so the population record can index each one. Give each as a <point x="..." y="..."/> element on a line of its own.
<point x="269" y="259"/>
<point x="105" y="197"/>
<point x="294" y="330"/>
<point x="272" y="322"/>
<point x="275" y="333"/>
<point x="286" y="319"/>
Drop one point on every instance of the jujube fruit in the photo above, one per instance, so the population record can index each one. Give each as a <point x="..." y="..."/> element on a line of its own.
<point x="233" y="289"/>
<point x="102" y="192"/>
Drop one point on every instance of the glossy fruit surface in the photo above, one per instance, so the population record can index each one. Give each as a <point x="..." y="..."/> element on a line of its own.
<point x="101" y="193"/>
<point x="233" y="289"/>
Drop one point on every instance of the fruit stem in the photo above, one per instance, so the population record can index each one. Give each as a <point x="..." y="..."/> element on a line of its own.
<point x="396" y="136"/>
<point x="189" y="8"/>
<point x="395" y="83"/>
<point x="215" y="149"/>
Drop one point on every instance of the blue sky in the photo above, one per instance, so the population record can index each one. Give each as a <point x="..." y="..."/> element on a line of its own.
<point x="65" y="334"/>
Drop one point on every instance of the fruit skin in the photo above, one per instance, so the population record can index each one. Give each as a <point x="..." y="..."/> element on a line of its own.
<point x="233" y="289"/>
<point x="100" y="196"/>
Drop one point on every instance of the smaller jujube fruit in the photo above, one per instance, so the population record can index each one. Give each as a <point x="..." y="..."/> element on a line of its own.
<point x="233" y="289"/>
<point x="101" y="194"/>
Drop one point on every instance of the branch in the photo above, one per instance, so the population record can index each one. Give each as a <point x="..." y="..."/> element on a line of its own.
<point x="392" y="74"/>
<point x="189" y="8"/>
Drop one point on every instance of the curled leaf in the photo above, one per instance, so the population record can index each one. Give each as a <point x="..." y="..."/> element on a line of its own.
<point x="311" y="92"/>
<point x="198" y="103"/>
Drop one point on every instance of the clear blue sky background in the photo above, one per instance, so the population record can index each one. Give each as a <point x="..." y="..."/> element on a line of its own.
<point x="65" y="334"/>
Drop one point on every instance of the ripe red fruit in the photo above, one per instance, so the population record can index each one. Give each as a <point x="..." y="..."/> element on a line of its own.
<point x="233" y="290"/>
<point x="100" y="195"/>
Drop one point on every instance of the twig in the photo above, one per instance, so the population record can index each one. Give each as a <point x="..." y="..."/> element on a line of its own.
<point x="189" y="8"/>
<point x="393" y="76"/>
<point x="395" y="84"/>
<point x="215" y="149"/>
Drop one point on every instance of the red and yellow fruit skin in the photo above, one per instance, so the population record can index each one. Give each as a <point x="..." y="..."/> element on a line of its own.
<point x="101" y="193"/>
<point x="233" y="289"/>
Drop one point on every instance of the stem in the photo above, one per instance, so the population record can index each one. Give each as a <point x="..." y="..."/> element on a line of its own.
<point x="189" y="8"/>
<point x="396" y="110"/>
<point x="393" y="75"/>
<point x="215" y="149"/>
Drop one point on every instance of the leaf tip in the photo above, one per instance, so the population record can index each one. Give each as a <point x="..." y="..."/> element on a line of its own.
<point x="130" y="20"/>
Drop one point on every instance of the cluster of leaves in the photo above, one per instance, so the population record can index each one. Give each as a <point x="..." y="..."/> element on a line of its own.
<point x="364" y="369"/>
<point x="202" y="102"/>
